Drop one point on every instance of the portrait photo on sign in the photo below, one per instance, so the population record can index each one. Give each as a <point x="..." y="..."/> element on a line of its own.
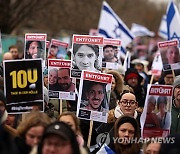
<point x="86" y="57"/>
<point x="59" y="80"/>
<point x="94" y="96"/>
<point x="61" y="85"/>
<point x="111" y="57"/>
<point x="170" y="57"/>
<point x="156" y="117"/>
<point x="57" y="50"/>
<point x="34" y="49"/>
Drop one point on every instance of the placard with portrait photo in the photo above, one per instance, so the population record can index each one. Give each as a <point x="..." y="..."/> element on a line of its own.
<point x="57" y="49"/>
<point x="156" y="116"/>
<point x="111" y="53"/>
<point x="94" y="95"/>
<point x="86" y="54"/>
<point x="35" y="46"/>
<point x="60" y="85"/>
<point x="170" y="54"/>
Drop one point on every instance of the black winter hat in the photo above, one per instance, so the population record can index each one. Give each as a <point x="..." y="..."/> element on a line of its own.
<point x="134" y="71"/>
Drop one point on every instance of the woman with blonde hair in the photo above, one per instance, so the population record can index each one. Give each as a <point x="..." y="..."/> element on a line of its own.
<point x="30" y="130"/>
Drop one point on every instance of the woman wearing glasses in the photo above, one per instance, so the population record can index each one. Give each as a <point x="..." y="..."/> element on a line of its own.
<point x="127" y="105"/>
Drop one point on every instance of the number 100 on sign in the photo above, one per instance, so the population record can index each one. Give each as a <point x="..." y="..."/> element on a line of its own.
<point x="21" y="78"/>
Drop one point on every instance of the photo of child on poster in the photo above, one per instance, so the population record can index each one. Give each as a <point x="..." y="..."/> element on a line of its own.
<point x="156" y="117"/>
<point x="170" y="54"/>
<point x="60" y="84"/>
<point x="86" y="54"/>
<point x="57" y="49"/>
<point x="94" y="93"/>
<point x="111" y="53"/>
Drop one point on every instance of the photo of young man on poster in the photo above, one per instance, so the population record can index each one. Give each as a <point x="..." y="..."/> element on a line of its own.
<point x="94" y="96"/>
<point x="85" y="57"/>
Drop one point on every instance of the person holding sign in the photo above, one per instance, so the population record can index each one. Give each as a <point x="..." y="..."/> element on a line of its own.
<point x="85" y="57"/>
<point x="94" y="96"/>
<point x="33" y="50"/>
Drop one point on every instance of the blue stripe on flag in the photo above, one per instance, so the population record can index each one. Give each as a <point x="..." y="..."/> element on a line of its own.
<point x="101" y="31"/>
<point x="170" y="15"/>
<point x="120" y="26"/>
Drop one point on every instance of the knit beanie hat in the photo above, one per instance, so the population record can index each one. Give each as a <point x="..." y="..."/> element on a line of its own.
<point x="176" y="81"/>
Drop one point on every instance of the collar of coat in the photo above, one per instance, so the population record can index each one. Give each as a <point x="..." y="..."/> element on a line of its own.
<point x="118" y="112"/>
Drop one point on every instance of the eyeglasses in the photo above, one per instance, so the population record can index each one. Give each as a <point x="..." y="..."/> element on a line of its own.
<point x="125" y="102"/>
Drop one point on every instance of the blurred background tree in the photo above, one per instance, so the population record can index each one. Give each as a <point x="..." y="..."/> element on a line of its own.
<point x="56" y="17"/>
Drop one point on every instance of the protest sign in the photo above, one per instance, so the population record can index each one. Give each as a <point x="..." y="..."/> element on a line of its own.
<point x="1" y="52"/>
<point x="86" y="54"/>
<point x="47" y="47"/>
<point x="157" y="64"/>
<point x="35" y="46"/>
<point x="94" y="94"/>
<point x="23" y="85"/>
<point x="60" y="85"/>
<point x="170" y="54"/>
<point x="111" y="53"/>
<point x="57" y="49"/>
<point x="156" y="117"/>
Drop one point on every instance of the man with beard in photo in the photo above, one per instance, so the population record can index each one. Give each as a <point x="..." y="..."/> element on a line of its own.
<point x="64" y="81"/>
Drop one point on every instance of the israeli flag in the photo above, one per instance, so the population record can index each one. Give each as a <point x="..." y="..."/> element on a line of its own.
<point x="140" y="30"/>
<point x="173" y="22"/>
<point x="111" y="26"/>
<point x="163" y="28"/>
<point x="105" y="150"/>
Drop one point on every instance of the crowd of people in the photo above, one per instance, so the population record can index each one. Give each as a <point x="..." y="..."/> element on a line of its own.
<point x="55" y="132"/>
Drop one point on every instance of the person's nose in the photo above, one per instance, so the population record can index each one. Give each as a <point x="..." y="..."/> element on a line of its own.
<point x="35" y="141"/>
<point x="52" y="148"/>
<point x="126" y="133"/>
<point x="85" y="60"/>
<point x="35" y="50"/>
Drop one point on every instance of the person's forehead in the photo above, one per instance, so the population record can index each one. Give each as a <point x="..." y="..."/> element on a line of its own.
<point x="63" y="72"/>
<point x="85" y="51"/>
<point x="13" y="49"/>
<point x="169" y="75"/>
<point x="108" y="48"/>
<point x="53" y="72"/>
<point x="1" y="103"/>
<point x="85" y="47"/>
<point x="95" y="86"/>
<point x="129" y="96"/>
<point x="34" y="43"/>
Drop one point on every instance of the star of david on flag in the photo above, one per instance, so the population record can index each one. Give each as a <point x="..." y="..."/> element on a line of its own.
<point x="173" y="22"/>
<point x="111" y="26"/>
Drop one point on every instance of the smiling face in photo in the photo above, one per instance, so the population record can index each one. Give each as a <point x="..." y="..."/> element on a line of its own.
<point x="95" y="96"/>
